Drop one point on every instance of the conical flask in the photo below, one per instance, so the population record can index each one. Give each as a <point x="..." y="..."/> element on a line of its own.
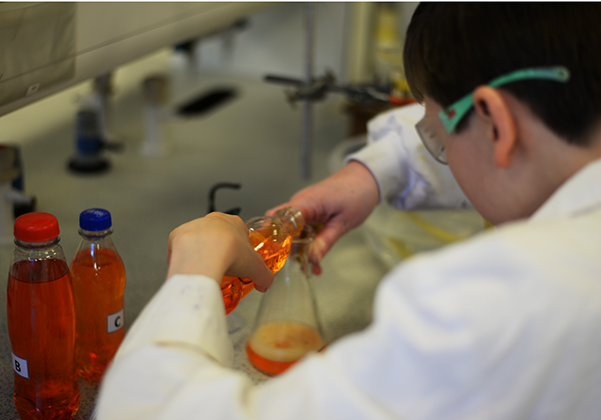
<point x="271" y="237"/>
<point x="287" y="325"/>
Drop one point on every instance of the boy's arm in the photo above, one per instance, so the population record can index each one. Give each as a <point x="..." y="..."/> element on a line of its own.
<point x="406" y="175"/>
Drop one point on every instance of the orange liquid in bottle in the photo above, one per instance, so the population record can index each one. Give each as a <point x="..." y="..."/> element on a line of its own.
<point x="41" y="325"/>
<point x="274" y="253"/>
<point x="98" y="284"/>
<point x="276" y="346"/>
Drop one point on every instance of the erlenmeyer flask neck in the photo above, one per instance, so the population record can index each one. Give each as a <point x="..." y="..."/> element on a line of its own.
<point x="302" y="243"/>
<point x="292" y="219"/>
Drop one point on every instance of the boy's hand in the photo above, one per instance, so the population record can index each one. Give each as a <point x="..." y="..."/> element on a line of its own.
<point x="216" y="245"/>
<point x="335" y="205"/>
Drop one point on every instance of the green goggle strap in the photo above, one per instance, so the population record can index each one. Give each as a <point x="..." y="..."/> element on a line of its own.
<point x="451" y="116"/>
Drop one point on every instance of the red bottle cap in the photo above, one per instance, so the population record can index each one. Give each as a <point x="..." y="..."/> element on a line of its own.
<point x="36" y="227"/>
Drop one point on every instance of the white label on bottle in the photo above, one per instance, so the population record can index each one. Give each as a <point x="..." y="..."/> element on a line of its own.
<point x="20" y="366"/>
<point x="115" y="322"/>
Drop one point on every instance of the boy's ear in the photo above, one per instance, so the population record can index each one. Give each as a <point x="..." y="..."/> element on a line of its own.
<point x="493" y="109"/>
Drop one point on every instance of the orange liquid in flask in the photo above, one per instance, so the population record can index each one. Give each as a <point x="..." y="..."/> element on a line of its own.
<point x="273" y="252"/>
<point x="276" y="346"/>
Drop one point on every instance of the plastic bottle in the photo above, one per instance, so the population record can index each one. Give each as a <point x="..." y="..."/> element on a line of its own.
<point x="271" y="237"/>
<point x="41" y="322"/>
<point x="98" y="276"/>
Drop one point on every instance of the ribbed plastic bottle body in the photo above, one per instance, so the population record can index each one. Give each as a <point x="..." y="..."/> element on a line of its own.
<point x="271" y="237"/>
<point x="41" y="327"/>
<point x="98" y="276"/>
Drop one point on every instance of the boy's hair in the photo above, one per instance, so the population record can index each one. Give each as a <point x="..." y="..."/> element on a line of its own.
<point x="451" y="48"/>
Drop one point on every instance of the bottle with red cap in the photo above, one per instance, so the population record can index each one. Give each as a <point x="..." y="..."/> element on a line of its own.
<point x="41" y="321"/>
<point x="98" y="276"/>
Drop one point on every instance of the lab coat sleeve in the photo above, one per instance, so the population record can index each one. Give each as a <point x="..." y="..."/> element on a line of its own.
<point x="407" y="176"/>
<point x="183" y="328"/>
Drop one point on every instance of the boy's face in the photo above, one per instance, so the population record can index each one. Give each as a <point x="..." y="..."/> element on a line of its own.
<point x="470" y="158"/>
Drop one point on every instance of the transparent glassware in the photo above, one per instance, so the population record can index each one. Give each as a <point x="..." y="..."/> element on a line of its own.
<point x="271" y="237"/>
<point x="287" y="326"/>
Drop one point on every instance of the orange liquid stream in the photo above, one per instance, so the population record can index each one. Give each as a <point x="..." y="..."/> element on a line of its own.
<point x="98" y="285"/>
<point x="41" y="326"/>
<point x="274" y="254"/>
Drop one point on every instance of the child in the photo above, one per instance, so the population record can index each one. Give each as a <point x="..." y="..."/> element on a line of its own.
<point x="503" y="326"/>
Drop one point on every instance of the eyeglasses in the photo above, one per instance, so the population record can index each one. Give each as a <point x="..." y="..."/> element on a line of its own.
<point x="434" y="130"/>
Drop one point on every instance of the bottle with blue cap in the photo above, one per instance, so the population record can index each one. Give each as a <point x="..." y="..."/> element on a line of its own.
<point x="98" y="276"/>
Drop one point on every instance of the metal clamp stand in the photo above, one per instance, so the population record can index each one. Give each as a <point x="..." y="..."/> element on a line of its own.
<point x="320" y="87"/>
<point x="311" y="89"/>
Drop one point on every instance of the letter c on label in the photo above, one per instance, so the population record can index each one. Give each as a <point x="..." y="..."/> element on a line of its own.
<point x="115" y="322"/>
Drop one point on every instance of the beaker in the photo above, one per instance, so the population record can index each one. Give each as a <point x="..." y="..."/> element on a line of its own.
<point x="287" y="325"/>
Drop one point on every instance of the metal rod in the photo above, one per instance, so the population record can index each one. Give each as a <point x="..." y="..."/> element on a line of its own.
<point x="307" y="114"/>
<point x="283" y="80"/>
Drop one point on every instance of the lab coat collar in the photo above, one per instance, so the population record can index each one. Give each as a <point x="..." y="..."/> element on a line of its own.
<point x="580" y="194"/>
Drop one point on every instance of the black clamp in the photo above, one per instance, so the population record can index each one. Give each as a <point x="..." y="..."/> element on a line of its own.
<point x="318" y="89"/>
<point x="236" y="210"/>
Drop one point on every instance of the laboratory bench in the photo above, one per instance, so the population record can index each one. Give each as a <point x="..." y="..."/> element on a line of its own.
<point x="252" y="139"/>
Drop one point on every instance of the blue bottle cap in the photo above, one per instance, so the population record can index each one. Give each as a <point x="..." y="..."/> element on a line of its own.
<point x="94" y="220"/>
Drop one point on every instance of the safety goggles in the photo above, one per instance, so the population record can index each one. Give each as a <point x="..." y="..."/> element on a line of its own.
<point x="434" y="130"/>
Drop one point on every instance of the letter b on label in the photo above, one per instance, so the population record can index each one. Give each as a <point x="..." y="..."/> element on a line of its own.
<point x="20" y="366"/>
<point x="115" y="321"/>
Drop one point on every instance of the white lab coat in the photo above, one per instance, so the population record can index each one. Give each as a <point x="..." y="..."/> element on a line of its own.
<point x="506" y="325"/>
<point x="407" y="175"/>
